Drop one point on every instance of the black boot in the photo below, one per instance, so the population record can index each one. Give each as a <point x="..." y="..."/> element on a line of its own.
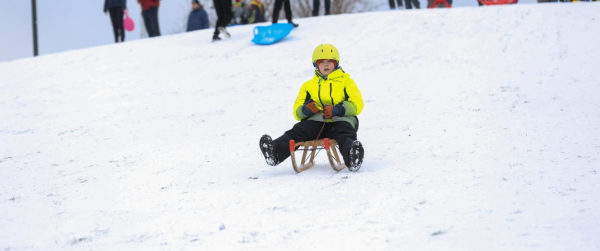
<point x="357" y="152"/>
<point x="267" y="147"/>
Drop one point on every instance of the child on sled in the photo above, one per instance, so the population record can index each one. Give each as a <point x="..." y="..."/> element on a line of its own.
<point x="327" y="107"/>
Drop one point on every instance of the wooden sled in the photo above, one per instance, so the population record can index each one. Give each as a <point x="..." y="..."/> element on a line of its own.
<point x="330" y="146"/>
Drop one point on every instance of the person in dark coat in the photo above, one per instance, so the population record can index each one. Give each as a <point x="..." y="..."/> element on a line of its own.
<point x="224" y="16"/>
<point x="287" y="8"/>
<point x="258" y="12"/>
<point x="116" y="8"/>
<point x="150" y="14"/>
<point x="198" y="18"/>
<point x="316" y="4"/>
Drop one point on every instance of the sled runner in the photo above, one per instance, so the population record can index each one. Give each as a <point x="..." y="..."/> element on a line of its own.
<point x="330" y="146"/>
<point x="266" y="35"/>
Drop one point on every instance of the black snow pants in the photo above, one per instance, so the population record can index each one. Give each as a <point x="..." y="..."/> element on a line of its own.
<point x="308" y="130"/>
<point x="116" y="18"/>
<point x="286" y="7"/>
<point x="151" y="21"/>
<point x="414" y="2"/>
<point x="316" y="4"/>
<point x="224" y="14"/>
<point x="393" y="5"/>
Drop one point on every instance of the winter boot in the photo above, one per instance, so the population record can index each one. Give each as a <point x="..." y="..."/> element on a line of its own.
<point x="223" y="31"/>
<point x="357" y="152"/>
<point x="267" y="147"/>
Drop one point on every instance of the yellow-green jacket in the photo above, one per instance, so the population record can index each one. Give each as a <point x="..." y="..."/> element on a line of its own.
<point x="336" y="88"/>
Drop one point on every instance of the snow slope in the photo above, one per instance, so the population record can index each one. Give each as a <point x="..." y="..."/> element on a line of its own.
<point x="480" y="129"/>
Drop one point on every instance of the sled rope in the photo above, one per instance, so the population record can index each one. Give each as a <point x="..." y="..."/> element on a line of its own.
<point x="314" y="146"/>
<point x="330" y="145"/>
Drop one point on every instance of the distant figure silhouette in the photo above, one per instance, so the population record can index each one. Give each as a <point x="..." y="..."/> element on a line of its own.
<point x="393" y="5"/>
<point x="316" y="4"/>
<point x="287" y="8"/>
<point x="150" y="14"/>
<point x="116" y="8"/>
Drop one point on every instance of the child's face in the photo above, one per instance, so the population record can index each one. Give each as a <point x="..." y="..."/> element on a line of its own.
<point x="326" y="66"/>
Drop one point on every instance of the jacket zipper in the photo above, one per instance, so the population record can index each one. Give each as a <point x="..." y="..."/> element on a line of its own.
<point x="330" y="93"/>
<point x="320" y="100"/>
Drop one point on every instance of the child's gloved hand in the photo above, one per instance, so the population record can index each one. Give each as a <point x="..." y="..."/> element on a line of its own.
<point x="310" y="109"/>
<point x="330" y="111"/>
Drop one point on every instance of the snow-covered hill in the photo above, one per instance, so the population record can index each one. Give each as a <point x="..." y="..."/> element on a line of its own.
<point x="480" y="129"/>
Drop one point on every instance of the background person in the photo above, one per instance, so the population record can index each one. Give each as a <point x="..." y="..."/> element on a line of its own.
<point x="287" y="8"/>
<point x="150" y="14"/>
<point x="198" y="18"/>
<point x="116" y="8"/>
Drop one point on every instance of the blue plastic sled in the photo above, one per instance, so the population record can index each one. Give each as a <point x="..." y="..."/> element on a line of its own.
<point x="265" y="35"/>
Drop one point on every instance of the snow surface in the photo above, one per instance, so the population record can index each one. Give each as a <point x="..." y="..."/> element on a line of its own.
<point x="480" y="129"/>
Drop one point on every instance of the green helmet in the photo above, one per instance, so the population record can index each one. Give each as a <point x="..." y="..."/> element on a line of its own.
<point x="325" y="51"/>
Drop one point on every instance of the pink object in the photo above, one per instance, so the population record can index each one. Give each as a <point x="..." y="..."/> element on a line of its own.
<point x="128" y="22"/>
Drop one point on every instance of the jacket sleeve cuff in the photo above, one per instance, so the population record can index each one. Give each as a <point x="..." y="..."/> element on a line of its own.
<point x="349" y="108"/>
<point x="300" y="114"/>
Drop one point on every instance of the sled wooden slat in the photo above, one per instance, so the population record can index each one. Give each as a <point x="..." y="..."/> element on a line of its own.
<point x="309" y="151"/>
<point x="334" y="159"/>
